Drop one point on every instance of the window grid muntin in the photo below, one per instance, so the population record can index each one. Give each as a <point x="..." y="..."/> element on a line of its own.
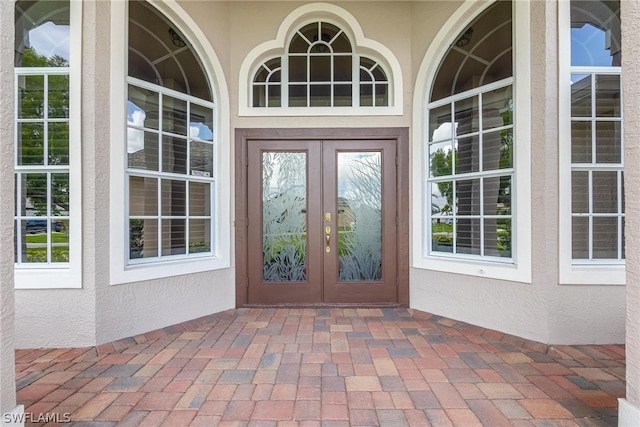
<point x="45" y="168"/>
<point x="594" y="166"/>
<point x="481" y="175"/>
<point x="160" y="175"/>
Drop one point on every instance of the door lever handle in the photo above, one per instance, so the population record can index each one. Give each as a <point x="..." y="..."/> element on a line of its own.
<point x="327" y="232"/>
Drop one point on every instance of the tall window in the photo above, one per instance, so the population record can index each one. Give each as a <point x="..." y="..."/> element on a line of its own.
<point x="42" y="139"/>
<point x="170" y="143"/>
<point x="470" y="143"/>
<point x="318" y="71"/>
<point x="597" y="192"/>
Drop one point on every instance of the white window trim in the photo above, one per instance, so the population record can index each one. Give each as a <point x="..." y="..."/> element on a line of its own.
<point x="360" y="46"/>
<point x="570" y="272"/>
<point x="67" y="276"/>
<point x="520" y="269"/>
<point x="120" y="271"/>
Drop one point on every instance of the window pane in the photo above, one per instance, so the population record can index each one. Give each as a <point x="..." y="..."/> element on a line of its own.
<point x="42" y="33"/>
<point x="143" y="238"/>
<point x="497" y="237"/>
<point x="466" y="114"/>
<point x="36" y="194"/>
<point x="274" y="95"/>
<point x="142" y="108"/>
<point x="497" y="108"/>
<point x="339" y="44"/>
<point x="382" y="95"/>
<point x="608" y="102"/>
<point x="320" y="95"/>
<point x="442" y="198"/>
<point x="581" y="95"/>
<point x="35" y="241"/>
<point x="199" y="199"/>
<point x="342" y="95"/>
<point x="142" y="148"/>
<point x="605" y="192"/>
<point x="580" y="238"/>
<point x="608" y="142"/>
<point x="467" y="155"/>
<point x="440" y="159"/>
<point x="581" y="138"/>
<point x="58" y="96"/>
<point x="60" y="241"/>
<point x="440" y="125"/>
<point x="297" y="96"/>
<point x="468" y="236"/>
<point x="58" y="143"/>
<point x="442" y="235"/>
<point x="595" y="33"/>
<point x="366" y="95"/>
<point x="174" y="115"/>
<point x="605" y="238"/>
<point x="579" y="192"/>
<point x="174" y="197"/>
<point x="201" y="123"/>
<point x="468" y="197"/>
<point x="297" y="68"/>
<point x="259" y="97"/>
<point x="173" y="237"/>
<point x="342" y="69"/>
<point x="30" y="144"/>
<point x="60" y="194"/>
<point x="31" y="97"/>
<point x="174" y="155"/>
<point x="497" y="150"/>
<point x="199" y="235"/>
<point x="320" y="68"/>
<point x="298" y="44"/>
<point x="143" y="196"/>
<point x="201" y="159"/>
<point x="497" y="195"/>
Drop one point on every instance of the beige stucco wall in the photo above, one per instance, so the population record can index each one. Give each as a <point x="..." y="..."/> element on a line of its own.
<point x="7" y="310"/>
<point x="100" y="312"/>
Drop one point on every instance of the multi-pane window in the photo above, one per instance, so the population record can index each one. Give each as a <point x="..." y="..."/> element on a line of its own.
<point x="597" y="192"/>
<point x="42" y="190"/>
<point x="170" y="173"/>
<point x="470" y="143"/>
<point x="320" y="69"/>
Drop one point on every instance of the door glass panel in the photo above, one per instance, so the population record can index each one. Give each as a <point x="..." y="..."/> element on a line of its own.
<point x="359" y="216"/>
<point x="284" y="216"/>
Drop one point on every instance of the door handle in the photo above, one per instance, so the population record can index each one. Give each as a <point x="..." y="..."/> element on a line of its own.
<point x="327" y="237"/>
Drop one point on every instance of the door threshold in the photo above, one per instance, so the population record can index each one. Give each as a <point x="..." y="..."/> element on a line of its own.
<point x="327" y="305"/>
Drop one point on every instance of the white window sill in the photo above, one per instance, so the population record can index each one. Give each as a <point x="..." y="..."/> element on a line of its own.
<point x="596" y="274"/>
<point x="47" y="278"/>
<point x="163" y="269"/>
<point x="477" y="268"/>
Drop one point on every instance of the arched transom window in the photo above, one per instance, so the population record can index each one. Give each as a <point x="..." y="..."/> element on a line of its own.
<point x="320" y="69"/>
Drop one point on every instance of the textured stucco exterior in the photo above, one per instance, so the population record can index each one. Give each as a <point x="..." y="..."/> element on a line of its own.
<point x="7" y="310"/>
<point x="630" y="409"/>
<point x="100" y="312"/>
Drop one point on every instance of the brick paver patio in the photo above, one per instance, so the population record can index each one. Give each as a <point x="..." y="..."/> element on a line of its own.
<point x="323" y="367"/>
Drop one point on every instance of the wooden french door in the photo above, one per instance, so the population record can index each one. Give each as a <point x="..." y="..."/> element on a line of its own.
<point x="321" y="221"/>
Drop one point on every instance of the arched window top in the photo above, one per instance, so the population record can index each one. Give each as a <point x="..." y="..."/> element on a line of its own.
<point x="42" y="33"/>
<point x="479" y="55"/>
<point x="160" y="54"/>
<point x="321" y="63"/>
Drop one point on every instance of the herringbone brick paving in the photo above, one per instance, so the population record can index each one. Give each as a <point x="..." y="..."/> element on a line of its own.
<point x="324" y="367"/>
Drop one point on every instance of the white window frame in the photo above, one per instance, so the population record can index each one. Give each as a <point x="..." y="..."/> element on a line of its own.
<point x="576" y="272"/>
<point x="121" y="271"/>
<point x="62" y="275"/>
<point x="519" y="269"/>
<point x="360" y="46"/>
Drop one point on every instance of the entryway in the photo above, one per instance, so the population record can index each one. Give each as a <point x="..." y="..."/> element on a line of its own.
<point x="322" y="219"/>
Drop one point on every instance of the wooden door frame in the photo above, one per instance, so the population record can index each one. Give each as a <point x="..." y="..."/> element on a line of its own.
<point x="242" y="139"/>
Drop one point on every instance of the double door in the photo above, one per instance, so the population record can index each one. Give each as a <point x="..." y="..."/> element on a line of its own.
<point x="321" y="221"/>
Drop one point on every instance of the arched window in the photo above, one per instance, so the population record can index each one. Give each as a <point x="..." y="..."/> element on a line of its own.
<point x="170" y="143"/>
<point x="320" y="64"/>
<point x="470" y="143"/>
<point x="319" y="72"/>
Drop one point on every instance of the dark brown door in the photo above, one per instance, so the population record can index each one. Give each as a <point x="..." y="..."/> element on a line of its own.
<point x="322" y="221"/>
